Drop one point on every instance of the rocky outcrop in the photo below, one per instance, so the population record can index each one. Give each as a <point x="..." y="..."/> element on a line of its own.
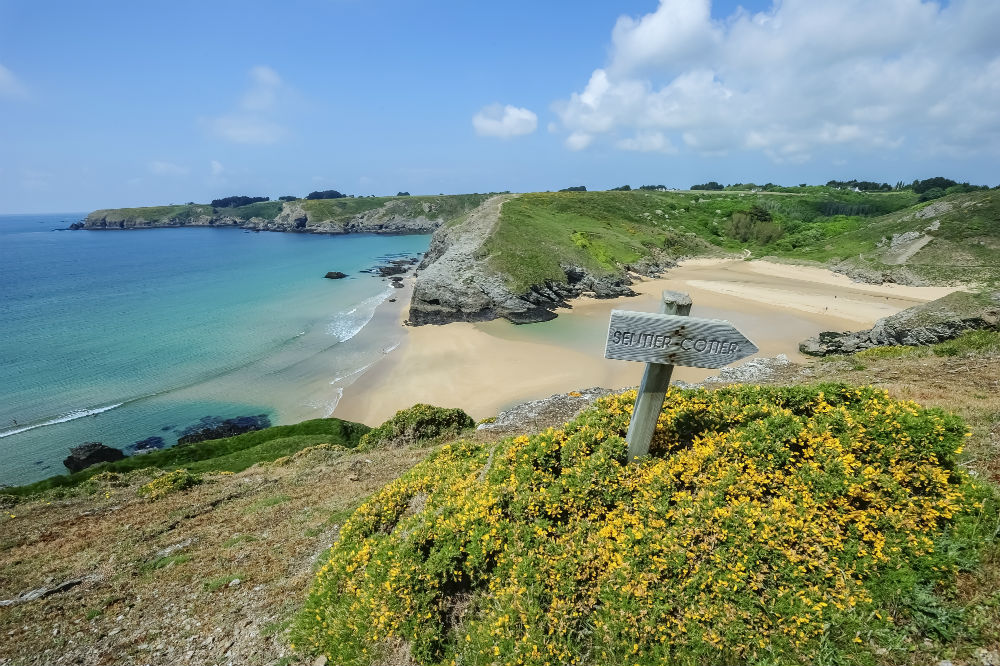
<point x="925" y="324"/>
<point x="89" y="454"/>
<point x="454" y="283"/>
<point x="227" y="428"/>
<point x="335" y="275"/>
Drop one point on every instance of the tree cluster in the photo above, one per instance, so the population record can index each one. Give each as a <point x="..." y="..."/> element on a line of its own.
<point x="326" y="194"/>
<point x="710" y="185"/>
<point x="654" y="188"/>
<point x="863" y="185"/>
<point x="233" y="202"/>
<point x="402" y="194"/>
<point x="576" y="188"/>
<point x="287" y="197"/>
<point x="623" y="188"/>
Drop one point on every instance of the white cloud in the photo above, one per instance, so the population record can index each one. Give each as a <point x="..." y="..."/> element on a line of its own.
<point x="804" y="77"/>
<point x="10" y="86"/>
<point x="217" y="168"/>
<point x="504" y="121"/>
<point x="161" y="168"/>
<point x="254" y="120"/>
<point x="578" y="140"/>
<point x="648" y="142"/>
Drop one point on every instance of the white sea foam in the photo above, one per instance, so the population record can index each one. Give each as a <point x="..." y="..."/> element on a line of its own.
<point x="69" y="416"/>
<point x="352" y="373"/>
<point x="345" y="325"/>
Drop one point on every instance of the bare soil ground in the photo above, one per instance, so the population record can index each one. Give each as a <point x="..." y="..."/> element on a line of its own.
<point x="159" y="575"/>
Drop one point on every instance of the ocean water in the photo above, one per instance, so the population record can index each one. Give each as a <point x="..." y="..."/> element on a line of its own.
<point x="117" y="336"/>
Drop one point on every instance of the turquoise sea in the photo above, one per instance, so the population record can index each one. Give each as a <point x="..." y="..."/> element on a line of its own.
<point x="118" y="336"/>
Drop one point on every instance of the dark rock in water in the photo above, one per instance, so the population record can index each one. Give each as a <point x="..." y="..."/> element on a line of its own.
<point x="335" y="275"/>
<point x="392" y="269"/>
<point x="166" y="428"/>
<point x="77" y="225"/>
<point x="147" y="445"/>
<point x="227" y="428"/>
<point x="925" y="324"/>
<point x="89" y="454"/>
<point x="392" y="300"/>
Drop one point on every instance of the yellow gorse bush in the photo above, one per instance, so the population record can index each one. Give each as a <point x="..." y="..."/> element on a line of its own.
<point x="178" y="479"/>
<point x="767" y="525"/>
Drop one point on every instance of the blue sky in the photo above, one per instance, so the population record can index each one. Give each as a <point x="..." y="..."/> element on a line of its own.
<point x="112" y="104"/>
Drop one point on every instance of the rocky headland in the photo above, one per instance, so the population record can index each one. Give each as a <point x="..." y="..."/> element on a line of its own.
<point x="927" y="324"/>
<point x="456" y="283"/>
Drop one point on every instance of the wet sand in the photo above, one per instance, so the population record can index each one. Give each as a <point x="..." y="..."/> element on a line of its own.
<point x="488" y="366"/>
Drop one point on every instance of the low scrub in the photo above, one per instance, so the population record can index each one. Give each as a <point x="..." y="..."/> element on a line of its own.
<point x="418" y="423"/>
<point x="821" y="524"/>
<point x="171" y="482"/>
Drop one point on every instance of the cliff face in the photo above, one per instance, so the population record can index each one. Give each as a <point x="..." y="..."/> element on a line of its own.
<point x="390" y="218"/>
<point x="455" y="283"/>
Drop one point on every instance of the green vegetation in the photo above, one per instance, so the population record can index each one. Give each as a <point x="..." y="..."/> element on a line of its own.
<point x="219" y="582"/>
<point x="542" y="233"/>
<point x="181" y="213"/>
<point x="265" y="209"/>
<point x="268" y="502"/>
<point x="170" y="482"/>
<point x="449" y="208"/>
<point x="162" y="562"/>
<point x="233" y="202"/>
<point x="231" y="454"/>
<point x="823" y="524"/>
<point x="418" y="423"/>
<point x="232" y="542"/>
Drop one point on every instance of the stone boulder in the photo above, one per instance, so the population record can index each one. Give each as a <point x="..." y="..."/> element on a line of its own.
<point x="89" y="454"/>
<point x="335" y="275"/>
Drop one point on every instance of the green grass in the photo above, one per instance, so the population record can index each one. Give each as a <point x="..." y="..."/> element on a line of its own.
<point x="218" y="582"/>
<point x="231" y="454"/>
<point x="232" y="542"/>
<point x="448" y="208"/>
<point x="165" y="562"/>
<point x="267" y="502"/>
<point x="184" y="212"/>
<point x="265" y="209"/>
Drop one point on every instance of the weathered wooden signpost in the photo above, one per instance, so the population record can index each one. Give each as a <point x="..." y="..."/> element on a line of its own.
<point x="663" y="341"/>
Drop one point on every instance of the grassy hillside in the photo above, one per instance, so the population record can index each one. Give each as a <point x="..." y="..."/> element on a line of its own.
<point x="447" y="207"/>
<point x="230" y="454"/>
<point x="602" y="231"/>
<point x="966" y="242"/>
<point x="155" y="213"/>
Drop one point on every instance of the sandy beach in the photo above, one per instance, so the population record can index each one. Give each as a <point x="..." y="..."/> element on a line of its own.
<point x="485" y="367"/>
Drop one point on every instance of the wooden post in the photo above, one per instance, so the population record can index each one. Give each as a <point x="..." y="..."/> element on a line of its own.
<point x="655" y="381"/>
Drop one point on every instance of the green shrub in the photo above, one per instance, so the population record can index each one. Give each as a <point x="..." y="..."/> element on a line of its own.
<point x="769" y="525"/>
<point x="418" y="423"/>
<point x="179" y="479"/>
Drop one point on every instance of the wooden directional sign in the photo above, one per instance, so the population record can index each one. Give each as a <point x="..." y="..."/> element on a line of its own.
<point x="663" y="341"/>
<point x="675" y="340"/>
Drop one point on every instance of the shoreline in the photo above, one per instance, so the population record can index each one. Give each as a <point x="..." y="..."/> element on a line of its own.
<point x="485" y="367"/>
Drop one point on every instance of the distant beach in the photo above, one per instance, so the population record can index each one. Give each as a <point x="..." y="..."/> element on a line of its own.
<point x="485" y="367"/>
